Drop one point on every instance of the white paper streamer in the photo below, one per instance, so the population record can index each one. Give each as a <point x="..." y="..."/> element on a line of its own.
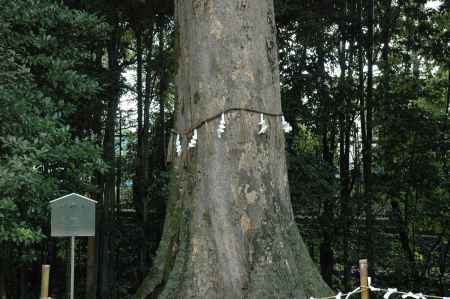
<point x="372" y="288"/>
<point x="193" y="142"/>
<point x="263" y="127"/>
<point x="286" y="126"/>
<point x="178" y="145"/>
<point x="412" y="295"/>
<point x="339" y="295"/>
<point x="221" y="128"/>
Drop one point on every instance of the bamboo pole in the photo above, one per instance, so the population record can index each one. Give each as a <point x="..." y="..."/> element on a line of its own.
<point x="45" y="281"/>
<point x="364" y="279"/>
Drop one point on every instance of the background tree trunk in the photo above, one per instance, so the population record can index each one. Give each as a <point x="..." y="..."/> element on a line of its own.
<point x="230" y="230"/>
<point x="345" y="124"/>
<point x="91" y="275"/>
<point x="163" y="88"/>
<point x="147" y="166"/>
<point x="2" y="272"/>
<point x="107" y="208"/>
<point x="140" y="196"/>
<point x="328" y="139"/>
<point x="23" y="287"/>
<point x="367" y="144"/>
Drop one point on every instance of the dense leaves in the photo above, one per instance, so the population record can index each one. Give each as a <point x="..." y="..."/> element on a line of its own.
<point x="44" y="53"/>
<point x="325" y="92"/>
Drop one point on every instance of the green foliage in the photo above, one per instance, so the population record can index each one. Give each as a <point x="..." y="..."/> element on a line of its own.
<point x="45" y="50"/>
<point x="54" y="92"/>
<point x="410" y="128"/>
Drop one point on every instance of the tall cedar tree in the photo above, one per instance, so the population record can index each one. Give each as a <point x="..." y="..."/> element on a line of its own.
<point x="230" y="230"/>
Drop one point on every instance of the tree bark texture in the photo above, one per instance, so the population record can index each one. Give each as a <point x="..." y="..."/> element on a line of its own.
<point x="107" y="207"/>
<point x="367" y="145"/>
<point x="229" y="230"/>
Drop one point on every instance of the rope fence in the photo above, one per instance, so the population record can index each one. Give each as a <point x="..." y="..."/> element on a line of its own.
<point x="366" y="287"/>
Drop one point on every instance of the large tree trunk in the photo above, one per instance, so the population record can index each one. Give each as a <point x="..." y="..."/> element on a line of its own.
<point x="230" y="230"/>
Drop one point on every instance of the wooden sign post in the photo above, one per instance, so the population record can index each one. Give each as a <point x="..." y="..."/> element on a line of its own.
<point x="45" y="281"/>
<point x="364" y="278"/>
<point x="73" y="216"/>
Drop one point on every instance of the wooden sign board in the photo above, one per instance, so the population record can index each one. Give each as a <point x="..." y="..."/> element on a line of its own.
<point x="73" y="215"/>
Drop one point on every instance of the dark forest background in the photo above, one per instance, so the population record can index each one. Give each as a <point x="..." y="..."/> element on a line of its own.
<point x="86" y="105"/>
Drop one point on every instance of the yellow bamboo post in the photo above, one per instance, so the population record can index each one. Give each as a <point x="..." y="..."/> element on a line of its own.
<point x="364" y="278"/>
<point x="45" y="281"/>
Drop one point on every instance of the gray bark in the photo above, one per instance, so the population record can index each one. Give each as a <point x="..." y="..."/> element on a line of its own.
<point x="230" y="230"/>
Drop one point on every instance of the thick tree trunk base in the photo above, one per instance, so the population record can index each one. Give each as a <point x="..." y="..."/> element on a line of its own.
<point x="230" y="230"/>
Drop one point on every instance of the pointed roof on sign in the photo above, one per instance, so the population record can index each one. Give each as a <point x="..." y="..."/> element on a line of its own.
<point x="74" y="195"/>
